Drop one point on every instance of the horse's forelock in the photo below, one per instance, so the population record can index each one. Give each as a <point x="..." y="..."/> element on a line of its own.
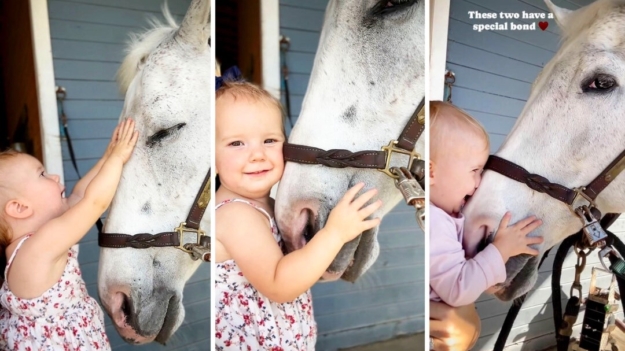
<point x="140" y="46"/>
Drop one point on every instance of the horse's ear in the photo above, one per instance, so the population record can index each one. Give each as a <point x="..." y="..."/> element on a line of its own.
<point x="195" y="27"/>
<point x="561" y="14"/>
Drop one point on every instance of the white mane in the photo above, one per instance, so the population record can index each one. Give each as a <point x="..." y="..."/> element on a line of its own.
<point x="584" y="18"/>
<point x="140" y="46"/>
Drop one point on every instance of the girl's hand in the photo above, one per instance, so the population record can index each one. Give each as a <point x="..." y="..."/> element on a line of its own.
<point x="125" y="141"/>
<point x="513" y="240"/>
<point x="453" y="329"/>
<point x="348" y="218"/>
<point x="113" y="142"/>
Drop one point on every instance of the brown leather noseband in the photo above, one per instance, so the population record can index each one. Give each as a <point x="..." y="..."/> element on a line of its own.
<point x="199" y="248"/>
<point x="407" y="179"/>
<point x="557" y="191"/>
<point x="338" y="158"/>
<point x="589" y="214"/>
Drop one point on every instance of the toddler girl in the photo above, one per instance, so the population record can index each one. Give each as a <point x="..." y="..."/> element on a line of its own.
<point x="44" y="299"/>
<point x="458" y="152"/>
<point x="262" y="296"/>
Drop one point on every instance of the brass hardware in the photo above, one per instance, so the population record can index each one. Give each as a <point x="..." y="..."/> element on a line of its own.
<point x="389" y="150"/>
<point x="181" y="229"/>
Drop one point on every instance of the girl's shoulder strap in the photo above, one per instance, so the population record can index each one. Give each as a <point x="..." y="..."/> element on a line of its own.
<point x="15" y="253"/>
<point x="225" y="202"/>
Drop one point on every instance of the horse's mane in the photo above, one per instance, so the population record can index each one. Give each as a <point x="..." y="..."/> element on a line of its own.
<point x="583" y="18"/>
<point x="140" y="46"/>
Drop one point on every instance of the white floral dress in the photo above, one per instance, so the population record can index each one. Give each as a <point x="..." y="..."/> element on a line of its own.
<point x="249" y="321"/>
<point x="63" y="318"/>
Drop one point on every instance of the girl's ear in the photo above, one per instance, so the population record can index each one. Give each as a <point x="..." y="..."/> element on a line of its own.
<point x="16" y="209"/>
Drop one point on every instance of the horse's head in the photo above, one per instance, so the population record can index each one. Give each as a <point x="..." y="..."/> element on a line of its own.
<point x="167" y="75"/>
<point x="367" y="80"/>
<point x="568" y="132"/>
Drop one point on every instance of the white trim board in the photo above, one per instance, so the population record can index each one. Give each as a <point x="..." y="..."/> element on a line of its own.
<point x="270" y="45"/>
<point x="46" y="93"/>
<point x="439" y="27"/>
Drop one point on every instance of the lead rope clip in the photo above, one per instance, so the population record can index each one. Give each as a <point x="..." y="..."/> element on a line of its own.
<point x="411" y="191"/>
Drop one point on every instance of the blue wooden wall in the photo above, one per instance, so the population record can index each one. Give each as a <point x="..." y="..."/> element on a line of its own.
<point x="389" y="299"/>
<point x="494" y="72"/>
<point x="88" y="42"/>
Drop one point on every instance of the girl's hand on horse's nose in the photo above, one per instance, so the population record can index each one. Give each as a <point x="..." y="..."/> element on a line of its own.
<point x="513" y="240"/>
<point x="349" y="217"/>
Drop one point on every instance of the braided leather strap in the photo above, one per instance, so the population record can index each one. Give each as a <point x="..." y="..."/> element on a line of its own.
<point x="534" y="181"/>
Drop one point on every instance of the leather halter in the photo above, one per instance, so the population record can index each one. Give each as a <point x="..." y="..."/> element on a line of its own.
<point x="557" y="191"/>
<point x="381" y="160"/>
<point x="198" y="248"/>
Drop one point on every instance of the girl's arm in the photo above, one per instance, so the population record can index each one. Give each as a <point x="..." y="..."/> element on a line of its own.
<point x="54" y="238"/>
<point x="79" y="189"/>
<point x="283" y="278"/>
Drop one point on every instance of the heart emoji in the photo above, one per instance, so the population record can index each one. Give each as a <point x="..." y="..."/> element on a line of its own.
<point x="543" y="25"/>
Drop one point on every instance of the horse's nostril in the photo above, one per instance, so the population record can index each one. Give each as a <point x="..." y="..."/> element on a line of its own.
<point x="308" y="232"/>
<point x="309" y="229"/>
<point x="126" y="306"/>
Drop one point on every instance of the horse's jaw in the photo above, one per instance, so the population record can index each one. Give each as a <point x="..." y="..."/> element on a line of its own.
<point x="302" y="216"/>
<point x="521" y="275"/>
<point x="484" y="211"/>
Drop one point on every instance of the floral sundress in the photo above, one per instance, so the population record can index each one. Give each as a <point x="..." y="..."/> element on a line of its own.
<point x="246" y="320"/>
<point x="64" y="318"/>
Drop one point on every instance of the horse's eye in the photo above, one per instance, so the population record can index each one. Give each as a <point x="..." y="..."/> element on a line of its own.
<point x="162" y="134"/>
<point x="384" y="7"/>
<point x="392" y="3"/>
<point x="599" y="83"/>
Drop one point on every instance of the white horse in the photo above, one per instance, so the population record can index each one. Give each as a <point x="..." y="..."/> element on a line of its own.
<point x="167" y="75"/>
<point x="367" y="80"/>
<point x="570" y="129"/>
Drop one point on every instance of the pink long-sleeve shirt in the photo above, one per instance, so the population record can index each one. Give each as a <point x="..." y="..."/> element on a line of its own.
<point x="454" y="279"/>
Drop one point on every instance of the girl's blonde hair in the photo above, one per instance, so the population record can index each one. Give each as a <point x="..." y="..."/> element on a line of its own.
<point x="447" y="122"/>
<point x="5" y="230"/>
<point x="247" y="90"/>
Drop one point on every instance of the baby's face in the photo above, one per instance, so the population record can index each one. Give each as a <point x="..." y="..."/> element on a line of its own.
<point x="249" y="139"/>
<point x="29" y="183"/>
<point x="457" y="173"/>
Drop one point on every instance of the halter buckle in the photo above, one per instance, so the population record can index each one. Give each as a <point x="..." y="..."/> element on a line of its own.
<point x="389" y="150"/>
<point x="579" y="192"/>
<point x="181" y="230"/>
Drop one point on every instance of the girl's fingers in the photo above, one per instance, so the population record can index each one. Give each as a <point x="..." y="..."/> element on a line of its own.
<point x="370" y="223"/>
<point x="351" y="193"/>
<point x="362" y="199"/>
<point x="532" y="226"/>
<point x="534" y="240"/>
<point x="128" y="130"/>
<point x="370" y="209"/>
<point x="505" y="220"/>
<point x="531" y="251"/>
<point x="133" y="140"/>
<point x="122" y="129"/>
<point x="115" y="134"/>
<point x="525" y="222"/>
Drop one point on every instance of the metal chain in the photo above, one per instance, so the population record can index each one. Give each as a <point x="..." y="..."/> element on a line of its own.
<point x="579" y="268"/>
